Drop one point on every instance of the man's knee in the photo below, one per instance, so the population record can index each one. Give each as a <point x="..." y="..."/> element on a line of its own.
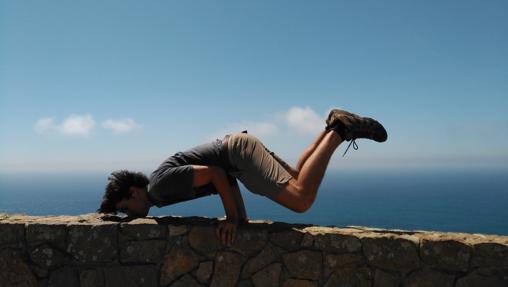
<point x="303" y="205"/>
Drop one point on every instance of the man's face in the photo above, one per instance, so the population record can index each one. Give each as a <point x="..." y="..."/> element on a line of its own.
<point x="133" y="207"/>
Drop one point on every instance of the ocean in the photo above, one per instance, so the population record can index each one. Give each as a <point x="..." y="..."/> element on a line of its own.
<point x="456" y="200"/>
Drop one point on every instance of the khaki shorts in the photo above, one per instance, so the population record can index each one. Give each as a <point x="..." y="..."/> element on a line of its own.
<point x="256" y="166"/>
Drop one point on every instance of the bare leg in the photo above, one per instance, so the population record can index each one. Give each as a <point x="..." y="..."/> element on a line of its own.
<point x="301" y="161"/>
<point x="309" y="150"/>
<point x="314" y="168"/>
<point x="299" y="193"/>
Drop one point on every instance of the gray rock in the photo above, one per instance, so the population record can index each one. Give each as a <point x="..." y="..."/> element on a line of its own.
<point x="204" y="272"/>
<point x="131" y="276"/>
<point x="358" y="277"/>
<point x="179" y="261"/>
<point x="227" y="269"/>
<point x="304" y="264"/>
<point x="391" y="253"/>
<point x="146" y="251"/>
<point x="142" y="229"/>
<point x="186" y="281"/>
<point x="337" y="243"/>
<point x="47" y="257"/>
<point x="265" y="257"/>
<point x="307" y="240"/>
<point x="91" y="278"/>
<point x="333" y="262"/>
<point x="12" y="233"/>
<point x="64" y="277"/>
<point x="484" y="277"/>
<point x="299" y="283"/>
<point x="429" y="278"/>
<point x="448" y="254"/>
<point x="245" y="283"/>
<point x="490" y="254"/>
<point x="93" y="243"/>
<point x="204" y="240"/>
<point x="288" y="239"/>
<point x="53" y="234"/>
<point x="268" y="276"/>
<point x="177" y="230"/>
<point x="385" y="279"/>
<point x="249" y="241"/>
<point x="14" y="272"/>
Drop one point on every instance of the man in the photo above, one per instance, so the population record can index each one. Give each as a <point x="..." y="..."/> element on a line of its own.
<point x="214" y="167"/>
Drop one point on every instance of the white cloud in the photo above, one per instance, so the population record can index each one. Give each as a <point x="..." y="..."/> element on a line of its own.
<point x="73" y="125"/>
<point x="301" y="120"/>
<point x="120" y="126"/>
<point x="76" y="125"/>
<point x="304" y="120"/>
<point x="44" y="125"/>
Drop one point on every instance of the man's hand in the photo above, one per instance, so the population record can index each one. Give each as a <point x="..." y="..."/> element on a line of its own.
<point x="226" y="232"/>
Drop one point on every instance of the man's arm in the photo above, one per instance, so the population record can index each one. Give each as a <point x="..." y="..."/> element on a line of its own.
<point x="239" y="204"/>
<point x="217" y="176"/>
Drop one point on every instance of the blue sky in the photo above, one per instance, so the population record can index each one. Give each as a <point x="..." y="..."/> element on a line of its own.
<point x="98" y="85"/>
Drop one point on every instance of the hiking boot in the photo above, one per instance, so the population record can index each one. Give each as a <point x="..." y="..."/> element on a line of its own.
<point x="351" y="126"/>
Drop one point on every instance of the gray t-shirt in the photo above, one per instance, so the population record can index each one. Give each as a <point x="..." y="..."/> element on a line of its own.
<point x="171" y="182"/>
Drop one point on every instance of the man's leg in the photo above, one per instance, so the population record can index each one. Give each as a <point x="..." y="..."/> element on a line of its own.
<point x="305" y="155"/>
<point x="300" y="192"/>
<point x="309" y="150"/>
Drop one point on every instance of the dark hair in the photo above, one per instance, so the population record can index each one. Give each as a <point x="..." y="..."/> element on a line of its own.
<point x="118" y="188"/>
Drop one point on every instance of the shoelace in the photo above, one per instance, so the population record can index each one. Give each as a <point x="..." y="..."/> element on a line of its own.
<point x="355" y="146"/>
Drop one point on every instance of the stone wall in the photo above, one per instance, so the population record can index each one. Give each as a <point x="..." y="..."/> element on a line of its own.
<point x="170" y="251"/>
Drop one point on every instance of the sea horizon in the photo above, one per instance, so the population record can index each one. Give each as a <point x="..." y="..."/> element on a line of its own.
<point x="468" y="200"/>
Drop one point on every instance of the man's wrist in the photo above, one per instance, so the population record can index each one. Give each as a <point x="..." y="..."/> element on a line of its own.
<point x="232" y="219"/>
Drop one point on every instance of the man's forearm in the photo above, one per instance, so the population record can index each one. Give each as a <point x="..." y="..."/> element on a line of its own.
<point x="239" y="202"/>
<point x="226" y="193"/>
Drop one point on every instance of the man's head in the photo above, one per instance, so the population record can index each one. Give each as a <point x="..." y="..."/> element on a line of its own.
<point x="126" y="192"/>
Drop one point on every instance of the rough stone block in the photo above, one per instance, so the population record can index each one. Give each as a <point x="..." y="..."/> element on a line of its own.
<point x="490" y="254"/>
<point x="333" y="262"/>
<point x="245" y="283"/>
<point x="177" y="262"/>
<point x="204" y="240"/>
<point x="268" y="276"/>
<point x="12" y="233"/>
<point x="385" y="279"/>
<point x="204" y="272"/>
<point x="304" y="264"/>
<point x="53" y="234"/>
<point x="227" y="269"/>
<point x="361" y="277"/>
<point x="146" y="251"/>
<point x="66" y="276"/>
<point x="91" y="278"/>
<point x="447" y="254"/>
<point x="130" y="276"/>
<point x="307" y="240"/>
<point x="186" y="281"/>
<point x="429" y="278"/>
<point x="14" y="272"/>
<point x="299" y="283"/>
<point x="265" y="257"/>
<point x="249" y="242"/>
<point x="93" y="243"/>
<point x="289" y="239"/>
<point x="47" y="257"/>
<point x="484" y="277"/>
<point x="337" y="243"/>
<point x="395" y="253"/>
<point x="142" y="229"/>
<point x="177" y="230"/>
